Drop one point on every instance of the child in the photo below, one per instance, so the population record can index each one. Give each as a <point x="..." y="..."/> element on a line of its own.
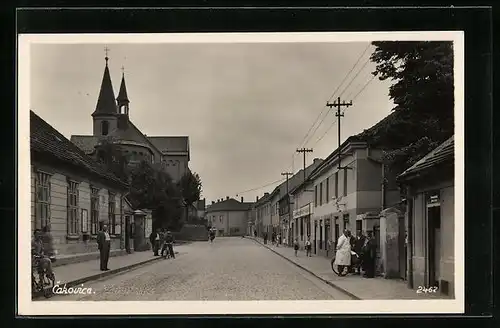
<point x="296" y="246"/>
<point x="278" y="240"/>
<point x="308" y="246"/>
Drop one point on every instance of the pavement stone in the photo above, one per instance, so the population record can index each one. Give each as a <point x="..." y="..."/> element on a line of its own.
<point x="231" y="268"/>
<point x="356" y="286"/>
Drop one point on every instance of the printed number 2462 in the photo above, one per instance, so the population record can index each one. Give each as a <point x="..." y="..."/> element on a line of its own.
<point x="431" y="289"/>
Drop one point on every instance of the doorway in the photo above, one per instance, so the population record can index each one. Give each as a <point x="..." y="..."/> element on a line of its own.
<point x="127" y="234"/>
<point x="434" y="243"/>
<point x="315" y="234"/>
<point x="327" y="235"/>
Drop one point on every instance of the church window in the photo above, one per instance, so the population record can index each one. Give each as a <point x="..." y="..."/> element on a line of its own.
<point x="105" y="128"/>
<point x="123" y="109"/>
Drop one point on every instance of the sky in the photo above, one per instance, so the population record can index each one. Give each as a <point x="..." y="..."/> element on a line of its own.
<point x="245" y="107"/>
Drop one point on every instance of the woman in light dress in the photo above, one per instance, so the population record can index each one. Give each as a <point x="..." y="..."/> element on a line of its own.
<point x="343" y="255"/>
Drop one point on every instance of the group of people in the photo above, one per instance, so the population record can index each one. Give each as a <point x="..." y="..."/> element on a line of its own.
<point x="363" y="246"/>
<point x="162" y="241"/>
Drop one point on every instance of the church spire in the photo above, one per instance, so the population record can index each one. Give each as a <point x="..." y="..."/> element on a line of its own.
<point x="122" y="98"/>
<point x="106" y="101"/>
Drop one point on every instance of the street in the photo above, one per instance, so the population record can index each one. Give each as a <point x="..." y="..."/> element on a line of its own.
<point x="231" y="268"/>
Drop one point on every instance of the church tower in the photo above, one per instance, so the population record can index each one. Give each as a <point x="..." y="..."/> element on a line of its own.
<point x="122" y="99"/>
<point x="105" y="115"/>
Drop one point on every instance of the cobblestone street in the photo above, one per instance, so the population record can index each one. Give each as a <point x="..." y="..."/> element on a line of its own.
<point x="228" y="269"/>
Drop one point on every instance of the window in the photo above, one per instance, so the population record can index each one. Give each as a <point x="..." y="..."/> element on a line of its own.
<point x="111" y="213"/>
<point x="359" y="227"/>
<point x="345" y="182"/>
<point x="220" y="218"/>
<point x="336" y="184"/>
<point x="321" y="194"/>
<point x="94" y="210"/>
<point x="320" y="234"/>
<point x="104" y="128"/>
<point x="327" y="190"/>
<point x="73" y="208"/>
<point x="301" y="228"/>
<point x="42" y="211"/>
<point x="346" y="221"/>
<point x="315" y="196"/>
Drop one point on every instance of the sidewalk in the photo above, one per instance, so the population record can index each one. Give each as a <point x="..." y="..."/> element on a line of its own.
<point x="79" y="273"/>
<point x="355" y="286"/>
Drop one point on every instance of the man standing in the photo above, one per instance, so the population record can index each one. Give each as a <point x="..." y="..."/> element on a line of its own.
<point x="358" y="248"/>
<point x="104" y="245"/>
<point x="154" y="238"/>
<point x="369" y="256"/>
<point x="343" y="255"/>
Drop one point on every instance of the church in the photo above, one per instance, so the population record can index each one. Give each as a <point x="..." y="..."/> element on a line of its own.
<point x="111" y="121"/>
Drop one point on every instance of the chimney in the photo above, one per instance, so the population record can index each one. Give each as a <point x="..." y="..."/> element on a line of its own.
<point x="213" y="202"/>
<point x="242" y="199"/>
<point x="227" y="197"/>
<point x="256" y="198"/>
<point x="266" y="194"/>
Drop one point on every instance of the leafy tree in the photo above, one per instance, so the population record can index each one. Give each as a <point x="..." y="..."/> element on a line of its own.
<point x="423" y="92"/>
<point x="111" y="155"/>
<point x="190" y="190"/>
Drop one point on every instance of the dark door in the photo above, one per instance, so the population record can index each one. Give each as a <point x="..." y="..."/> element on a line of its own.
<point x="315" y="234"/>
<point x="327" y="237"/>
<point x="434" y="243"/>
<point x="127" y="233"/>
<point x="320" y="234"/>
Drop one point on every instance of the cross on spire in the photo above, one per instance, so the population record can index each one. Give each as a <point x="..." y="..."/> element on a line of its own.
<point x="106" y="50"/>
<point x="123" y="70"/>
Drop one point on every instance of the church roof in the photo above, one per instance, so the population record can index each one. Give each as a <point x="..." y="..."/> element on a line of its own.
<point x="171" y="144"/>
<point x="49" y="143"/>
<point x="106" y="103"/>
<point x="122" y="94"/>
<point x="85" y="143"/>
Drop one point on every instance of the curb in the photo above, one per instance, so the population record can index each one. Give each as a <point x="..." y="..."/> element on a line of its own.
<point x="311" y="272"/>
<point x="102" y="275"/>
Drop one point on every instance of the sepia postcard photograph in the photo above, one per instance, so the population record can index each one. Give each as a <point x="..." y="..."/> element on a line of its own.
<point x="241" y="173"/>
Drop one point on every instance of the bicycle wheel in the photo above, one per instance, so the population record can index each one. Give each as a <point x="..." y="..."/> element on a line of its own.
<point x="48" y="284"/>
<point x="335" y="268"/>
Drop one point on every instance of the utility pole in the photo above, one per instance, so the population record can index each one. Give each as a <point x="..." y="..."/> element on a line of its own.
<point x="304" y="151"/>
<point x="339" y="115"/>
<point x="287" y="174"/>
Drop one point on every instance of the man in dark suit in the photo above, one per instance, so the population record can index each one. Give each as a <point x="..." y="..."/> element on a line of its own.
<point x="104" y="245"/>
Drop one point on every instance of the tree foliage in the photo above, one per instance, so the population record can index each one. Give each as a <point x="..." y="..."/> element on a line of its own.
<point x="423" y="92"/>
<point x="189" y="187"/>
<point x="151" y="187"/>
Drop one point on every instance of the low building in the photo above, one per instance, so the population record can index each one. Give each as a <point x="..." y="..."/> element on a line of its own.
<point x="229" y="217"/>
<point x="430" y="219"/>
<point x="263" y="214"/>
<point x="72" y="193"/>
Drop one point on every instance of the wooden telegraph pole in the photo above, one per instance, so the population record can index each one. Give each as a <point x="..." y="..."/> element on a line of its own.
<point x="339" y="115"/>
<point x="304" y="151"/>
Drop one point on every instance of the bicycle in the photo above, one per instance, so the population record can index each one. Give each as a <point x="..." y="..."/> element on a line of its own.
<point x="41" y="279"/>
<point x="342" y="270"/>
<point x="166" y="250"/>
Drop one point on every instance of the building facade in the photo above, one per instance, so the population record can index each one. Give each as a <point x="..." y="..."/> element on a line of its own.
<point x="229" y="217"/>
<point x="263" y="214"/>
<point x="430" y="219"/>
<point x="349" y="197"/>
<point x="71" y="193"/>
<point x="111" y="122"/>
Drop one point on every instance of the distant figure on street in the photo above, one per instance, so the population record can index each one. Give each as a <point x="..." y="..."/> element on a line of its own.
<point x="39" y="259"/>
<point x="284" y="241"/>
<point x="211" y="236"/>
<point x="154" y="238"/>
<point x="273" y="238"/>
<point x="104" y="245"/>
<point x="296" y="246"/>
<point x="343" y="255"/>
<point x="265" y="238"/>
<point x="308" y="246"/>
<point x="358" y="248"/>
<point x="255" y="233"/>
<point x="278" y="240"/>
<point x="369" y="255"/>
<point x="168" y="245"/>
